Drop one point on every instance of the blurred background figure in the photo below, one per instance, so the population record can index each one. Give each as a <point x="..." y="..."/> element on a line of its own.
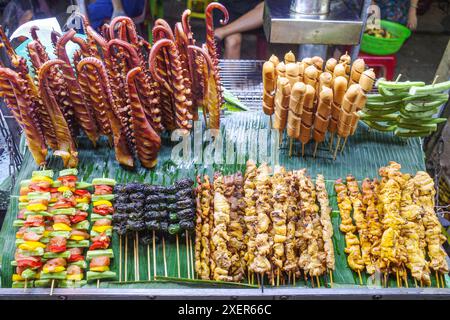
<point x="18" y="12"/>
<point x="245" y="16"/>
<point x="102" y="11"/>
<point x="401" y="11"/>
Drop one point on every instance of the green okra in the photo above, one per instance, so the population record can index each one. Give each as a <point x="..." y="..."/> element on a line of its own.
<point x="54" y="275"/>
<point x="104" y="181"/>
<point x="99" y="253"/>
<point x="380" y="127"/>
<point x="52" y="255"/>
<point x="94" y="275"/>
<point x="394" y="85"/>
<point x="431" y="88"/>
<point x="98" y="197"/>
<point x="43" y="173"/>
<point x="77" y="244"/>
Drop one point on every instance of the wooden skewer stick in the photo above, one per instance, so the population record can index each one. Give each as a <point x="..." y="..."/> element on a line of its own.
<point x="270" y="122"/>
<point x="360" y="278"/>
<point x="154" y="255"/>
<point x="137" y="256"/>
<point x="437" y="279"/>
<point x="178" y="255"/>
<point x="126" y="257"/>
<point x="415" y="282"/>
<point x="290" y="147"/>
<point x="192" y="257"/>
<point x="187" y="256"/>
<point x="164" y="255"/>
<point x="398" y="77"/>
<point x="331" y="141"/>
<point x="248" y="277"/>
<point x="120" y="258"/>
<point x="278" y="277"/>
<point x="434" y="81"/>
<point x="303" y="150"/>
<point x="280" y="141"/>
<point x="273" y="278"/>
<point x="337" y="147"/>
<point x="315" y="149"/>
<point x="406" y="281"/>
<point x="293" y="278"/>
<point x="52" y="287"/>
<point x="443" y="281"/>
<point x="98" y="283"/>
<point x="148" y="263"/>
<point x="289" y="278"/>
<point x="262" y="282"/>
<point x="26" y="284"/>
<point x="318" y="281"/>
<point x="331" y="278"/>
<point x="343" y="145"/>
<point x="398" y="281"/>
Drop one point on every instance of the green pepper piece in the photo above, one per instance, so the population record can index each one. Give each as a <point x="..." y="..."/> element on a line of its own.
<point x="56" y="184"/>
<point x="54" y="275"/>
<point x="18" y="223"/>
<point x="83" y="185"/>
<point x="80" y="263"/>
<point x="43" y="283"/>
<point x="64" y="234"/>
<point x="98" y="197"/>
<point x="39" y="195"/>
<point x="94" y="275"/>
<point x="64" y="211"/>
<point x="99" y="253"/>
<point x="31" y="253"/>
<point x="68" y="172"/>
<point x="43" y="173"/>
<point x="77" y="244"/>
<point x="104" y="181"/>
<point x="82" y="225"/>
<point x="21" y="284"/>
<point x="95" y="217"/>
<point x="82" y="206"/>
<point x="52" y="255"/>
<point x="36" y="213"/>
<point x="71" y="284"/>
<point x="399" y="85"/>
<point x="28" y="274"/>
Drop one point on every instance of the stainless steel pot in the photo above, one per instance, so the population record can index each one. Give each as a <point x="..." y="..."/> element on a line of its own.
<point x="311" y="7"/>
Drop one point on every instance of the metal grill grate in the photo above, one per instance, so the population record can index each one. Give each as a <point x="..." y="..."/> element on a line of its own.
<point x="243" y="79"/>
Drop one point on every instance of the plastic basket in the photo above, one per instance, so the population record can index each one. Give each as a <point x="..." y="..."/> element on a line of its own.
<point x="383" y="46"/>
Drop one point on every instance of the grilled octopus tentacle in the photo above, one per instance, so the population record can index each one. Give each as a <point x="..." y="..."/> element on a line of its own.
<point x="23" y="113"/>
<point x="106" y="99"/>
<point x="178" y="90"/>
<point x="66" y="144"/>
<point x="147" y="140"/>
<point x="81" y="111"/>
<point x="210" y="42"/>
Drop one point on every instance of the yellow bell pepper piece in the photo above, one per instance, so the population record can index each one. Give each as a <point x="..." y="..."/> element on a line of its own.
<point x="100" y="229"/>
<point x="55" y="270"/>
<point x="42" y="178"/>
<point x="19" y="236"/>
<point x="75" y="277"/>
<point x="61" y="227"/>
<point x="64" y="189"/>
<point x="37" y="207"/>
<point x="46" y="233"/>
<point x="17" y="277"/>
<point x="23" y="198"/>
<point x="100" y="269"/>
<point x="102" y="202"/>
<point x="82" y="200"/>
<point x="76" y="238"/>
<point x="31" y="245"/>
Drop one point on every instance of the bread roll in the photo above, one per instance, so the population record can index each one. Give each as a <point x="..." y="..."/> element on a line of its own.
<point x="282" y="96"/>
<point x="269" y="84"/>
<point x="297" y="98"/>
<point x="354" y="123"/>
<point x="324" y="105"/>
<point x="340" y="71"/>
<point x="281" y="69"/>
<point x="305" y="134"/>
<point x="292" y="73"/>
<point x="332" y="125"/>
<point x="348" y="103"/>
<point x="293" y="125"/>
<point x="344" y="130"/>
<point x="310" y="76"/>
<point x="307" y="61"/>
<point x="345" y="118"/>
<point x="358" y="67"/>
<point x="289" y="57"/>
<point x="330" y="65"/>
<point x="318" y="136"/>
<point x="367" y="80"/>
<point x="321" y="124"/>
<point x="339" y="89"/>
<point x="274" y="59"/>
<point x="317" y="62"/>
<point x="307" y="118"/>
<point x="308" y="103"/>
<point x="335" y="111"/>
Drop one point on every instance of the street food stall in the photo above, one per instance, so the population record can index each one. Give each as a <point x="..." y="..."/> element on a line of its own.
<point x="156" y="170"/>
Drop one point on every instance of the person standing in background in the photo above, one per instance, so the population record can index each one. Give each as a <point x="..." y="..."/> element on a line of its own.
<point x="101" y="11"/>
<point x="401" y="11"/>
<point x="244" y="16"/>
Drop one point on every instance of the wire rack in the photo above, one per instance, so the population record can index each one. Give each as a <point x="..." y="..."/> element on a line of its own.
<point x="243" y="79"/>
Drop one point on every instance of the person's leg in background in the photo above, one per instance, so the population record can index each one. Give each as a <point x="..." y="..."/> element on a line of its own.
<point x="233" y="46"/>
<point x="232" y="32"/>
